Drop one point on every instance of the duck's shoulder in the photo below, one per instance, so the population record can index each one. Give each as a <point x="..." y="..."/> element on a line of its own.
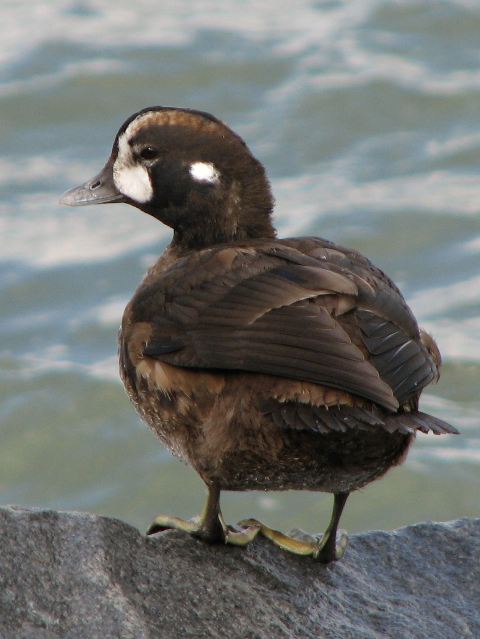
<point x="307" y="251"/>
<point x="301" y="259"/>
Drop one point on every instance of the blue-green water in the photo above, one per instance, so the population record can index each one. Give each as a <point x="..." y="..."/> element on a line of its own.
<point x="366" y="114"/>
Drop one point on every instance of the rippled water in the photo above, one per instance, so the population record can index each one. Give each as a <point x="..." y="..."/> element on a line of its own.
<point x="366" y="114"/>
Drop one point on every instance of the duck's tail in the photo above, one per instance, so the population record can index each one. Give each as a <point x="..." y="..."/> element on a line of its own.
<point x="411" y="422"/>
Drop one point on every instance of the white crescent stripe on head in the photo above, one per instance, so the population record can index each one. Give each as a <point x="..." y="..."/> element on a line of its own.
<point x="130" y="178"/>
<point x="204" y="172"/>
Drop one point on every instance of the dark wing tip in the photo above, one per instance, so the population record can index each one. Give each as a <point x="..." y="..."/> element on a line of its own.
<point x="420" y="421"/>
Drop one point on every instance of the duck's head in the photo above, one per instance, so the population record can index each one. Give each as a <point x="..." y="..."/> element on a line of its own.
<point x="188" y="170"/>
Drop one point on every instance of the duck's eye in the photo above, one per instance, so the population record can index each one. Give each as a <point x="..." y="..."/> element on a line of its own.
<point x="148" y="153"/>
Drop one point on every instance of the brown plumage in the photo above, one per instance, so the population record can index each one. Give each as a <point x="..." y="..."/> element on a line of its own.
<point x="264" y="363"/>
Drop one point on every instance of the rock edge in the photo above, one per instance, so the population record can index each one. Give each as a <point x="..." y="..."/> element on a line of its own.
<point x="69" y="575"/>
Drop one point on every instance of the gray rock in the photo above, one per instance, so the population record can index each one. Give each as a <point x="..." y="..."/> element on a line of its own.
<point x="75" y="575"/>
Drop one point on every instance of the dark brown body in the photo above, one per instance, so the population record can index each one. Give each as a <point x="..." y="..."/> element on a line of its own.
<point x="244" y="430"/>
<point x="263" y="363"/>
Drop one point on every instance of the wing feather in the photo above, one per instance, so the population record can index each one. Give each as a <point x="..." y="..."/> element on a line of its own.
<point x="328" y="317"/>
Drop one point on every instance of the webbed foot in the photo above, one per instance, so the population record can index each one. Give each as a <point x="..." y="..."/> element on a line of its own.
<point x="197" y="527"/>
<point x="324" y="548"/>
<point x="209" y="526"/>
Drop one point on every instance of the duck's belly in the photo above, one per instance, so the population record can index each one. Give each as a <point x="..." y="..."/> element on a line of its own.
<point x="229" y="440"/>
<point x="334" y="462"/>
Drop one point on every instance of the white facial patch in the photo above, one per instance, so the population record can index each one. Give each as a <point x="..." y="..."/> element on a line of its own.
<point x="134" y="182"/>
<point x="130" y="178"/>
<point x="204" y="172"/>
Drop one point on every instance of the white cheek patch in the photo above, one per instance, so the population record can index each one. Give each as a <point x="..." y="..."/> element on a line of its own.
<point x="134" y="182"/>
<point x="131" y="179"/>
<point x="204" y="172"/>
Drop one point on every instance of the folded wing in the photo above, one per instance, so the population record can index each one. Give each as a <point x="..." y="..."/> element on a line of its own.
<point x="321" y="316"/>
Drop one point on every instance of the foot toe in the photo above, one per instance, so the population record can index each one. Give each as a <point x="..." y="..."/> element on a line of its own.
<point x="167" y="522"/>
<point x="243" y="533"/>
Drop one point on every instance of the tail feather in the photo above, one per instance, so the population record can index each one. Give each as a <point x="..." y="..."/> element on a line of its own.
<point x="411" y="422"/>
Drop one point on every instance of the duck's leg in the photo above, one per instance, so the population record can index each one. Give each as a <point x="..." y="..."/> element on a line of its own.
<point x="329" y="550"/>
<point x="324" y="547"/>
<point x="209" y="526"/>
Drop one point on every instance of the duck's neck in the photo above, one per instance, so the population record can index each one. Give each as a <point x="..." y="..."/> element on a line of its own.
<point x="198" y="238"/>
<point x="240" y="217"/>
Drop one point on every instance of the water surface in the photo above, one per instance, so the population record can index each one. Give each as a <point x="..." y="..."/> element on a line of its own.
<point x="366" y="115"/>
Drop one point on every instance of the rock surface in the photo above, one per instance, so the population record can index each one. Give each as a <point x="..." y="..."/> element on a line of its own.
<point x="75" y="575"/>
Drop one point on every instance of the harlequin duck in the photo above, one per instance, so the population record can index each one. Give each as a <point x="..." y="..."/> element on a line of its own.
<point x="265" y="363"/>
